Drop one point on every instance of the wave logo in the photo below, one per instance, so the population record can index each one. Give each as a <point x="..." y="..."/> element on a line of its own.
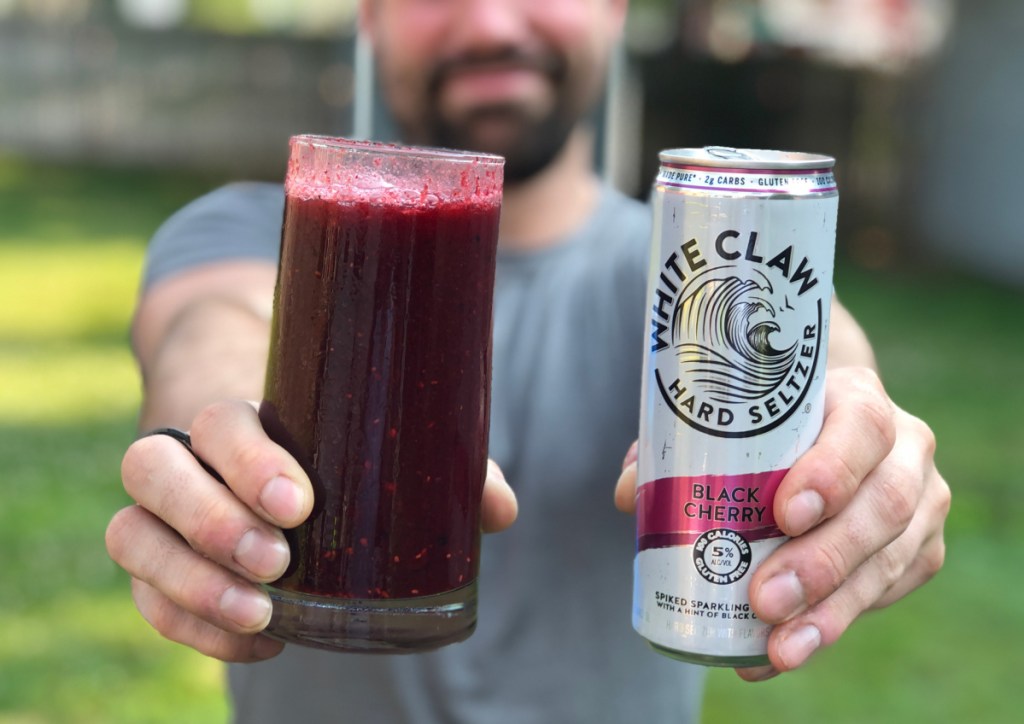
<point x="741" y="356"/>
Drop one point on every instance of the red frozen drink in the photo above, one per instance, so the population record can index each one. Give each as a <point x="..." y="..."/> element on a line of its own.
<point x="378" y="384"/>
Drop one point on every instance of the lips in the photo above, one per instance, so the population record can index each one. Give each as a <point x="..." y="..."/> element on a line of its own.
<point x="510" y="77"/>
<point x="493" y="86"/>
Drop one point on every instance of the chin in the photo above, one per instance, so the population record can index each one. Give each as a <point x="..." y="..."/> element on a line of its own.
<point x="487" y="128"/>
<point x="503" y="141"/>
<point x="527" y="141"/>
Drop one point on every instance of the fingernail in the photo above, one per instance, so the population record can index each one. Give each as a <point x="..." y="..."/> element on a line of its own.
<point x="282" y="498"/>
<point x="781" y="597"/>
<point x="797" y="647"/>
<point x="804" y="511"/>
<point x="759" y="673"/>
<point x="631" y="455"/>
<point x="264" y="647"/>
<point x="494" y="471"/>
<point x="263" y="555"/>
<point x="248" y="608"/>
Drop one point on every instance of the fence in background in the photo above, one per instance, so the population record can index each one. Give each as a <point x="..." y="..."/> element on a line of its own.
<point x="110" y="93"/>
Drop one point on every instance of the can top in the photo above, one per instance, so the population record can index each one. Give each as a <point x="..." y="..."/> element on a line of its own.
<point x="746" y="158"/>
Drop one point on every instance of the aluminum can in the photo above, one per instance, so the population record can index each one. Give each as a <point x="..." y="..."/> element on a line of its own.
<point x="739" y="291"/>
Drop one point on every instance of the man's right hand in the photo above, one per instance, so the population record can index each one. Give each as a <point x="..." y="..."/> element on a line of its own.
<point x="196" y="549"/>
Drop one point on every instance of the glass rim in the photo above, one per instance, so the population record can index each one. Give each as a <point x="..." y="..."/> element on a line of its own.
<point x="321" y="141"/>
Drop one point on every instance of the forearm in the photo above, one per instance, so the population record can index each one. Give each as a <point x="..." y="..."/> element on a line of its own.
<point x="215" y="349"/>
<point x="202" y="336"/>
<point x="848" y="346"/>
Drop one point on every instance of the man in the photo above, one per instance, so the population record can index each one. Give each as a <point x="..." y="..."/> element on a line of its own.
<point x="513" y="77"/>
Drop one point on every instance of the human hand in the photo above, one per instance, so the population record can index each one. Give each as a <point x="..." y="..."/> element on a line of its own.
<point x="196" y="548"/>
<point x="865" y="506"/>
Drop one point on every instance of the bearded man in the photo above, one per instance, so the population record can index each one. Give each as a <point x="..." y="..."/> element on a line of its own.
<point x="554" y="643"/>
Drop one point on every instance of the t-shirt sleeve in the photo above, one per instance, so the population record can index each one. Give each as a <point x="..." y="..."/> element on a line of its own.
<point x="631" y="223"/>
<point x="237" y="221"/>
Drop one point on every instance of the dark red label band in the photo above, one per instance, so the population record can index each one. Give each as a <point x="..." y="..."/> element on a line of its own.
<point x="676" y="511"/>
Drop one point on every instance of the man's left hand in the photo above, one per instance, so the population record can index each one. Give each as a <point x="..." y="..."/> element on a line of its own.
<point x="865" y="507"/>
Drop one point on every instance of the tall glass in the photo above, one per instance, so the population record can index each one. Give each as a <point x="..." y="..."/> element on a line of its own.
<point x="378" y="383"/>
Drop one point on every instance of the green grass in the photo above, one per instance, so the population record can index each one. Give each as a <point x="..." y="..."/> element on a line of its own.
<point x="73" y="649"/>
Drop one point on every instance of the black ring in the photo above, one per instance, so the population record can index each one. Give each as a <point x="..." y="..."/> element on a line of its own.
<point x="186" y="440"/>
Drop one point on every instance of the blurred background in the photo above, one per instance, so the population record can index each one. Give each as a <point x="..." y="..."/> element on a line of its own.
<point x="113" y="113"/>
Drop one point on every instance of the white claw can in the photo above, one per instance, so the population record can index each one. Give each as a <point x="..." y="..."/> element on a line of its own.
<point x="738" y="298"/>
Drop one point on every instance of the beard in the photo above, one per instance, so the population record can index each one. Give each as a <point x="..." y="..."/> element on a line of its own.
<point x="529" y="145"/>
<point x="527" y="140"/>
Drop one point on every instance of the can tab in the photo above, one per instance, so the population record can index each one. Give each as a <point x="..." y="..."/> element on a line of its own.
<point x="725" y="152"/>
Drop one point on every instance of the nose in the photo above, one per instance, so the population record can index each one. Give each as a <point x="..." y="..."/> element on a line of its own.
<point x="487" y="25"/>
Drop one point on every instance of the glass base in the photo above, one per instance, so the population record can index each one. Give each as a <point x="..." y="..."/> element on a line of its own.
<point x="380" y="625"/>
<point x="732" y="662"/>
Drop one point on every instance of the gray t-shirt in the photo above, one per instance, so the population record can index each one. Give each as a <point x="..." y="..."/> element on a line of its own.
<point x="554" y="641"/>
